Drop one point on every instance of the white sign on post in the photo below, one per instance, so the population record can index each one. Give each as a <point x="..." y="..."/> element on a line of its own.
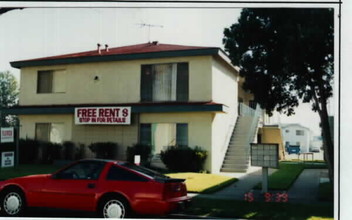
<point x="7" y="135"/>
<point x="7" y="159"/>
<point x="137" y="159"/>
<point x="265" y="156"/>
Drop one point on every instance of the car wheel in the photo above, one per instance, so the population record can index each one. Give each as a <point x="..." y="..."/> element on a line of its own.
<point x="114" y="208"/>
<point x="12" y="203"/>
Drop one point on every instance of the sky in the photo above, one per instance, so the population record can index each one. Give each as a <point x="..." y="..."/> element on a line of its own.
<point x="40" y="32"/>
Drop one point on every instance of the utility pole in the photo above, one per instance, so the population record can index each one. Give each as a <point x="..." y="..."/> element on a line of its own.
<point x="149" y="26"/>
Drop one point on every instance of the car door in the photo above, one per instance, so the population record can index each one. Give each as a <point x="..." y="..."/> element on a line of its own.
<point x="74" y="187"/>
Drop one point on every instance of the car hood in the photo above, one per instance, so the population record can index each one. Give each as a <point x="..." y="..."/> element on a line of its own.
<point x="29" y="178"/>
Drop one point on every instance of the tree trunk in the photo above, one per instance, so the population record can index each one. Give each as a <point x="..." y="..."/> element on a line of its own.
<point x="328" y="144"/>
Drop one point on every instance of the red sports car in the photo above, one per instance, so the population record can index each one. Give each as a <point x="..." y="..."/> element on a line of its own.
<point x="114" y="189"/>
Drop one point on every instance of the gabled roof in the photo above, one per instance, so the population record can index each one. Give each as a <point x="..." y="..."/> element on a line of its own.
<point x="139" y="51"/>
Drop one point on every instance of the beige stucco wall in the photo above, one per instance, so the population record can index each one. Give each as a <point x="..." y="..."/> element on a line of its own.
<point x="199" y="128"/>
<point x="273" y="135"/>
<point x="225" y="90"/>
<point x="119" y="82"/>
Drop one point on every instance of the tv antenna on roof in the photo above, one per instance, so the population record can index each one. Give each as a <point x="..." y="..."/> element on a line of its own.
<point x="149" y="26"/>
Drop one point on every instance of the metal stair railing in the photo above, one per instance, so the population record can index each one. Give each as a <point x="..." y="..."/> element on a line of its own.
<point x="244" y="110"/>
<point x="227" y="140"/>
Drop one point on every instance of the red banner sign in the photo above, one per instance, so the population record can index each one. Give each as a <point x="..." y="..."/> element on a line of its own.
<point x="7" y="135"/>
<point x="103" y="115"/>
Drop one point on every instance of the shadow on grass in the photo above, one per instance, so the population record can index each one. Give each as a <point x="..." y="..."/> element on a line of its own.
<point x="219" y="186"/>
<point x="222" y="208"/>
<point x="288" y="172"/>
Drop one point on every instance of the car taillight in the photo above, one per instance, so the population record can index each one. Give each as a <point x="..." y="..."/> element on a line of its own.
<point x="173" y="190"/>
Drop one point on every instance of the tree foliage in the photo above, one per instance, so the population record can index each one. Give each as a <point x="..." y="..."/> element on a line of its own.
<point x="8" y="95"/>
<point x="286" y="56"/>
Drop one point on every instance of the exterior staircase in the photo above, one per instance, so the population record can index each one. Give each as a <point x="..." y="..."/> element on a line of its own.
<point x="237" y="157"/>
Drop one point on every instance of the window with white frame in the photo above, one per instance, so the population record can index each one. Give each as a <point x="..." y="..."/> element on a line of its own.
<point x="162" y="135"/>
<point x="164" y="82"/>
<point x="51" y="81"/>
<point x="50" y="132"/>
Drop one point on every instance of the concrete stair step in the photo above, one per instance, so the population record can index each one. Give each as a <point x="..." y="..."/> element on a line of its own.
<point x="242" y="152"/>
<point x="237" y="166"/>
<point x="238" y="151"/>
<point x="236" y="163"/>
<point x="234" y="170"/>
<point x="239" y="144"/>
<point x="236" y="157"/>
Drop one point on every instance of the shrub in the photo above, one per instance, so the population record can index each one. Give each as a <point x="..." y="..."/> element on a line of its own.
<point x="34" y="151"/>
<point x="104" y="150"/>
<point x="50" y="152"/>
<point x="81" y="152"/>
<point x="69" y="150"/>
<point x="29" y="151"/>
<point x="184" y="158"/>
<point x="139" y="149"/>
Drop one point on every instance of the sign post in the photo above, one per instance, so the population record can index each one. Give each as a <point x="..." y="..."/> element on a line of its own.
<point x="7" y="135"/>
<point x="265" y="172"/>
<point x="265" y="156"/>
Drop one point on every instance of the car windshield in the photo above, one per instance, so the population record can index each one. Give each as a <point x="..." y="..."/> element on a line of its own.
<point x="143" y="170"/>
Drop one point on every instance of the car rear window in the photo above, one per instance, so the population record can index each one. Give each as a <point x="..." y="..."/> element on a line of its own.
<point x="118" y="173"/>
<point x="140" y="169"/>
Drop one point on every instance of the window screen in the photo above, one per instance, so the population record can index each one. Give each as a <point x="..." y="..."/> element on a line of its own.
<point x="165" y="82"/>
<point x="162" y="135"/>
<point x="51" y="132"/>
<point x="42" y="131"/>
<point x="145" y="136"/>
<point x="51" y="81"/>
<point x="182" y="135"/>
<point x="45" y="82"/>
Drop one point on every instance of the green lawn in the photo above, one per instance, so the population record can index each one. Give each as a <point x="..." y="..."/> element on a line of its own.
<point x="288" y="172"/>
<point x="284" y="177"/>
<point x="203" y="182"/>
<point x="26" y="169"/>
<point x="222" y="208"/>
